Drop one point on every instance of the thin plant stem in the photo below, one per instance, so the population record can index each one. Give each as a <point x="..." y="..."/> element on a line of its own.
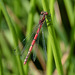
<point x="69" y="10"/>
<point x="11" y="27"/>
<point x="49" y="48"/>
<point x="6" y="52"/>
<point x="53" y="41"/>
<point x="72" y="46"/>
<point x="49" y="57"/>
<point x="51" y="6"/>
<point x="30" y="23"/>
<point x="1" y="68"/>
<point x="30" y="17"/>
<point x="70" y="14"/>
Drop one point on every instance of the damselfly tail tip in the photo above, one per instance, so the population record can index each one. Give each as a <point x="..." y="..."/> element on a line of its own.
<point x="24" y="62"/>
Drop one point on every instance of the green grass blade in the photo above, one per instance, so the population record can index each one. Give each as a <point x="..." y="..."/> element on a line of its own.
<point x="72" y="46"/>
<point x="50" y="58"/>
<point x="30" y="17"/>
<point x="69" y="10"/>
<point x="11" y="27"/>
<point x="53" y="41"/>
<point x="1" y="68"/>
<point x="70" y="14"/>
<point x="51" y="6"/>
<point x="7" y="54"/>
<point x="30" y="23"/>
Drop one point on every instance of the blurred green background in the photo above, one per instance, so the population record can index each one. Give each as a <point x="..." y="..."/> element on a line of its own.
<point x="18" y="19"/>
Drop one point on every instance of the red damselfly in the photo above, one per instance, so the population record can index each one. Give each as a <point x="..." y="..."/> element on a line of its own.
<point x="41" y="21"/>
<point x="39" y="26"/>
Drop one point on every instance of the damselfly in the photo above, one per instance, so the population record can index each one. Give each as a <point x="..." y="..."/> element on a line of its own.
<point x="41" y="21"/>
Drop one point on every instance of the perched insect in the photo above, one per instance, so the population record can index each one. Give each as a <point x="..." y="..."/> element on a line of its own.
<point x="41" y="21"/>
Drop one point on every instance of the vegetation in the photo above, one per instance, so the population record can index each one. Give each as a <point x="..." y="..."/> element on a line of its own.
<point x="18" y="24"/>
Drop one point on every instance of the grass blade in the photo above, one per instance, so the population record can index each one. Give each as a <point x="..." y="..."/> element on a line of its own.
<point x="53" y="41"/>
<point x="11" y="27"/>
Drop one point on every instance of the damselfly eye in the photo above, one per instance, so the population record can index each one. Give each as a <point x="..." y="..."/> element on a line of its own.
<point x="44" y="13"/>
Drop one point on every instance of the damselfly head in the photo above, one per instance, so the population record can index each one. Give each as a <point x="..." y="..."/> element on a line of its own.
<point x="44" y="13"/>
